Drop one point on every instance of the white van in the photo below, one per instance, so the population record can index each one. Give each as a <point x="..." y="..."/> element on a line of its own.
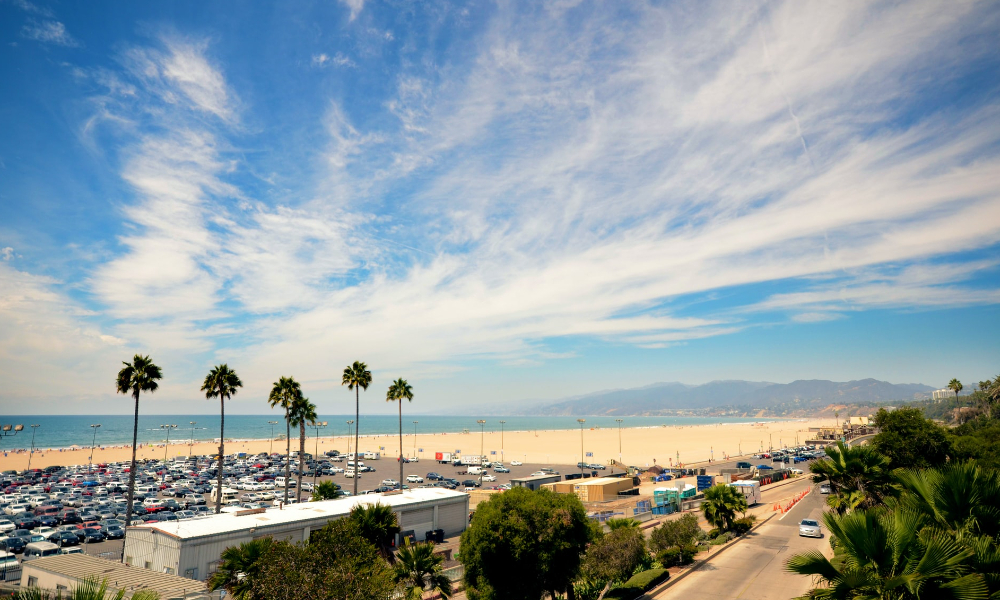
<point x="38" y="550"/>
<point x="372" y="456"/>
<point x="475" y="470"/>
<point x="228" y="496"/>
<point x="279" y="482"/>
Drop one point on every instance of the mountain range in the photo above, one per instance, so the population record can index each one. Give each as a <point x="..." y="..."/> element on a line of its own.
<point x="747" y="396"/>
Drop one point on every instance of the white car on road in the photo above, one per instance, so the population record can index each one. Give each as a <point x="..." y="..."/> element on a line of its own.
<point x="414" y="479"/>
<point x="516" y="463"/>
<point x="809" y="528"/>
<point x="489" y="477"/>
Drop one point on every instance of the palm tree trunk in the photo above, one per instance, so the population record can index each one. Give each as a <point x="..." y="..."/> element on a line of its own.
<point x="222" y="451"/>
<point x="400" y="443"/>
<point x="288" y="453"/>
<point x="302" y="459"/>
<point x="131" y="473"/>
<point x="357" y="427"/>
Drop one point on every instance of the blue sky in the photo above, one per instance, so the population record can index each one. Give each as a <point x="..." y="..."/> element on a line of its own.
<point x="497" y="202"/>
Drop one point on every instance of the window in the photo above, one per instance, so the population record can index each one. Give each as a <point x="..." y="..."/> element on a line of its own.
<point x="191" y="573"/>
<point x="148" y="565"/>
<point x="59" y="586"/>
<point x="168" y="570"/>
<point x="32" y="581"/>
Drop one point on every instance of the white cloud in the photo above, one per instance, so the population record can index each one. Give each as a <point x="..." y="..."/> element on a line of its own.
<point x="6" y="253"/>
<point x="355" y="6"/>
<point x="338" y="60"/>
<point x="187" y="67"/>
<point x="50" y="32"/>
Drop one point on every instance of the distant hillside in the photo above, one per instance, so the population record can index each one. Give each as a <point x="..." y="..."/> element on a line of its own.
<point x="758" y="395"/>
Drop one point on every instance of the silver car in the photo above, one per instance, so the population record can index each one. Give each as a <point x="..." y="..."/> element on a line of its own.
<point x="809" y="528"/>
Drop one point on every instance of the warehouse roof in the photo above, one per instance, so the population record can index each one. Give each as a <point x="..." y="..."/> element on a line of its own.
<point x="119" y="576"/>
<point x="297" y="513"/>
<point x="600" y="481"/>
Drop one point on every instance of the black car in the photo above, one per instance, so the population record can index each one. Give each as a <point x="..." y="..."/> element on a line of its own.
<point x="13" y="544"/>
<point x="25" y="521"/>
<point x="471" y="483"/>
<point x="92" y="535"/>
<point x="114" y="532"/>
<point x="64" y="538"/>
<point x="434" y="477"/>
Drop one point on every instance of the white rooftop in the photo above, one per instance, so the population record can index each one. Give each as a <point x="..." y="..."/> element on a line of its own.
<point x="293" y="513"/>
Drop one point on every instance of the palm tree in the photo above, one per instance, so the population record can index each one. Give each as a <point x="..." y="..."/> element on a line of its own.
<point x="960" y="498"/>
<point x="222" y="383"/>
<point x="418" y="569"/>
<point x="325" y="490"/>
<point x="886" y="555"/>
<point x="721" y="504"/>
<point x="357" y="377"/>
<point x="88" y="589"/>
<point x="956" y="386"/>
<point x="283" y="394"/>
<point x="399" y="391"/>
<point x="301" y="412"/>
<point x="852" y="469"/>
<point x="377" y="524"/>
<point x="237" y="567"/>
<point x="138" y="376"/>
<point x="622" y="523"/>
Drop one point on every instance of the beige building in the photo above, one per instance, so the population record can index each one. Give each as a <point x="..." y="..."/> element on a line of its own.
<point x="64" y="572"/>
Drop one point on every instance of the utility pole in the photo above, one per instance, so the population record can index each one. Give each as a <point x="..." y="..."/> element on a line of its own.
<point x="317" y="425"/>
<point x="501" y="440"/>
<point x="272" y="423"/>
<point x="482" y="434"/>
<point x="191" y="444"/>
<point x="167" y="447"/>
<point x="581" y="422"/>
<point x="415" y="438"/>
<point x="349" y="424"/>
<point x="32" y="454"/>
<point x="90" y="466"/>
<point x="619" y="421"/>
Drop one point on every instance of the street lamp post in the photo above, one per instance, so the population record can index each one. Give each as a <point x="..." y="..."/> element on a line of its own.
<point x="33" y="427"/>
<point x="316" y="425"/>
<point x="191" y="443"/>
<point x="619" y="421"/>
<point x="482" y="435"/>
<point x="9" y="430"/>
<point x="581" y="422"/>
<point x="349" y="435"/>
<point x="502" y="423"/>
<point x="272" y="423"/>
<point x="415" y="438"/>
<point x="90" y="467"/>
<point x="166" y="447"/>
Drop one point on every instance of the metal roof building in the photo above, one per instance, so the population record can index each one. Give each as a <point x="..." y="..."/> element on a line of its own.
<point x="192" y="547"/>
<point x="65" y="571"/>
<point x="535" y="482"/>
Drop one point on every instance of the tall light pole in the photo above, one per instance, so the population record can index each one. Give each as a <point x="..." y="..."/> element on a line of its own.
<point x="619" y="421"/>
<point x="33" y="427"/>
<point x="90" y="467"/>
<point x="482" y="435"/>
<point x="316" y="425"/>
<point x="415" y="437"/>
<point x="581" y="422"/>
<point x="191" y="443"/>
<point x="501" y="440"/>
<point x="166" y="447"/>
<point x="272" y="424"/>
<point x="349" y="424"/>
<point x="9" y="430"/>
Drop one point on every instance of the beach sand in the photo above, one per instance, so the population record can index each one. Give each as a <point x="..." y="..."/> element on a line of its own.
<point x="639" y="446"/>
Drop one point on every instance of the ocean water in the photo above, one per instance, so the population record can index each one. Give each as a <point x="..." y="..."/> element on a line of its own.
<point x="64" y="431"/>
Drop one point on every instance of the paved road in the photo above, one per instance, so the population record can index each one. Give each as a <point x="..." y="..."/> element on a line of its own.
<point x="754" y="569"/>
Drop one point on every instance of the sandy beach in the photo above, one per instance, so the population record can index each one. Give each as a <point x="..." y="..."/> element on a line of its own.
<point x="665" y="445"/>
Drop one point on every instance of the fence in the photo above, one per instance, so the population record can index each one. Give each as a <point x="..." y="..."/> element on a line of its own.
<point x="454" y="573"/>
<point x="11" y="572"/>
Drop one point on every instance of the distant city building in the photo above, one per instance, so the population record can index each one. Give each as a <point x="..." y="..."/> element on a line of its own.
<point x="943" y="394"/>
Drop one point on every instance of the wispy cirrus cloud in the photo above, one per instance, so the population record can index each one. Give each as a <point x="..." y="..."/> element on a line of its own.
<point x="49" y="32"/>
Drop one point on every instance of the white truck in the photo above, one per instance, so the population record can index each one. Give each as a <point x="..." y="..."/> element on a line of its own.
<point x="372" y="456"/>
<point x="443" y="457"/>
<point x="750" y="490"/>
<point x="472" y="460"/>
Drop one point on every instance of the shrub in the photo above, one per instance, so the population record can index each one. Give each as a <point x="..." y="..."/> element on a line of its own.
<point x="741" y="526"/>
<point x="722" y="539"/>
<point x="638" y="584"/>
<point x="673" y="557"/>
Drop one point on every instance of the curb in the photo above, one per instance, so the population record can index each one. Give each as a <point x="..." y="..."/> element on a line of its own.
<point x="698" y="564"/>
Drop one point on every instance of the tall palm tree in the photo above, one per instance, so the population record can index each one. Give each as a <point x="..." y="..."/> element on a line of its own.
<point x="237" y="567"/>
<point x="357" y="377"/>
<point x="418" y="569"/>
<point x="222" y="383"/>
<point x="399" y="391"/>
<point x="956" y="386"/>
<point x="140" y="375"/>
<point x="721" y="504"/>
<point x="377" y="524"/>
<point x="301" y="412"/>
<point x="886" y="554"/>
<point x="283" y="394"/>
<point x="851" y="469"/>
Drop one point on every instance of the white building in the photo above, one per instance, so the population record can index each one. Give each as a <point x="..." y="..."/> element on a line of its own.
<point x="943" y="394"/>
<point x="192" y="547"/>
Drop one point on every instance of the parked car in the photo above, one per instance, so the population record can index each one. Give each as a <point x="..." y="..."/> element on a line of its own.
<point x="489" y="477"/>
<point x="434" y="477"/>
<point x="470" y="483"/>
<point x="825" y="488"/>
<point x="64" y="538"/>
<point x="501" y="469"/>
<point x="516" y="463"/>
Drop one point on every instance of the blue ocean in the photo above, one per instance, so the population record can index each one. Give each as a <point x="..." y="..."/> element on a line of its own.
<point x="75" y="430"/>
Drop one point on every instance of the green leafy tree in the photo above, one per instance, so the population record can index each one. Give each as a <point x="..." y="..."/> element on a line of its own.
<point x="222" y="383"/>
<point x="851" y="469"/>
<point x="141" y="375"/>
<point x="399" y="391"/>
<point x="887" y="555"/>
<point x="909" y="440"/>
<point x="621" y="523"/>
<point x="377" y="524"/>
<point x="325" y="490"/>
<point x="336" y="564"/>
<point x="90" y="588"/>
<point x="239" y="566"/>
<point x="357" y="377"/>
<point x="721" y="504"/>
<point x="978" y="440"/>
<point x="675" y="533"/>
<point x="418" y="569"/>
<point x="284" y="393"/>
<point x="523" y="544"/>
<point x="301" y="412"/>
<point x="614" y="557"/>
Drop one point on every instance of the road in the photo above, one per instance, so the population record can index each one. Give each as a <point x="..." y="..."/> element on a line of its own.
<point x="754" y="569"/>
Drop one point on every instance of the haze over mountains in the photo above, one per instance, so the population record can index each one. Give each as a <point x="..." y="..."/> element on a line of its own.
<point x="814" y="394"/>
